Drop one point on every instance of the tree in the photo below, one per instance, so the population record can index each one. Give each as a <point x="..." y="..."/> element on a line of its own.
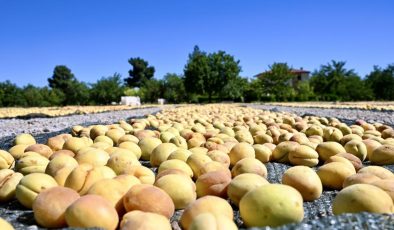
<point x="381" y="82"/>
<point x="61" y="78"/>
<point x="195" y="71"/>
<point x="33" y="96"/>
<point x="209" y="73"/>
<point x="235" y="89"/>
<point x="151" y="90"/>
<point x="357" y="89"/>
<point x="224" y="72"/>
<point x="11" y="95"/>
<point x="174" y="88"/>
<point x="304" y="91"/>
<point x="334" y="82"/>
<point x="253" y="91"/>
<point x="140" y="72"/>
<point x="30" y="95"/>
<point x="79" y="94"/>
<point x="328" y="81"/>
<point x="52" y="97"/>
<point x="107" y="89"/>
<point x="75" y="92"/>
<point x="42" y="96"/>
<point x="131" y="91"/>
<point x="275" y="82"/>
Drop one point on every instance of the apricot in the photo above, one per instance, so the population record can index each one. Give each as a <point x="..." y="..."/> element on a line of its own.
<point x="149" y="198"/>
<point x="50" y="206"/>
<point x="92" y="211"/>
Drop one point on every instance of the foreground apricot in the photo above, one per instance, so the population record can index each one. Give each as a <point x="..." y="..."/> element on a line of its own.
<point x="206" y="204"/>
<point x="92" y="211"/>
<point x="271" y="205"/>
<point x="149" y="198"/>
<point x="50" y="206"/>
<point x="362" y="198"/>
<point x="136" y="220"/>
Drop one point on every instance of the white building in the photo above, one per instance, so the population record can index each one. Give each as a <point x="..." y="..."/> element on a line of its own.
<point x="130" y="100"/>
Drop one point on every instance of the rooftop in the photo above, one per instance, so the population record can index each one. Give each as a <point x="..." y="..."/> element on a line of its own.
<point x="293" y="71"/>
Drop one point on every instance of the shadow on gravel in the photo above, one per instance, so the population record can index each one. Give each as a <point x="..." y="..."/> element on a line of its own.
<point x="26" y="218"/>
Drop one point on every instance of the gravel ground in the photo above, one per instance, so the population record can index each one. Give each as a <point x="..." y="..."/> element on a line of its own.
<point x="318" y="214"/>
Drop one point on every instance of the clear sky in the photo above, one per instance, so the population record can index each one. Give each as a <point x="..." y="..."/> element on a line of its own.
<point x="96" y="38"/>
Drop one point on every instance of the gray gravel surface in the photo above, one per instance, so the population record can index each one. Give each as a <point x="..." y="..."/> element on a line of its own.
<point x="318" y="214"/>
<point x="345" y="115"/>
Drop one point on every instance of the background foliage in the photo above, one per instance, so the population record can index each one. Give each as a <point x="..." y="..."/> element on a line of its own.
<point x="207" y="77"/>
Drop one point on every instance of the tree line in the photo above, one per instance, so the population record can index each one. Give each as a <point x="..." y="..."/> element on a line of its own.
<point x="207" y="77"/>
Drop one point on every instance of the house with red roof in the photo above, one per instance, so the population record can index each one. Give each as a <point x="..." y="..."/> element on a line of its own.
<point x="300" y="75"/>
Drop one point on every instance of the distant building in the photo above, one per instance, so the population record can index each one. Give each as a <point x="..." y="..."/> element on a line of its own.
<point x="300" y="75"/>
<point x="161" y="101"/>
<point x="131" y="101"/>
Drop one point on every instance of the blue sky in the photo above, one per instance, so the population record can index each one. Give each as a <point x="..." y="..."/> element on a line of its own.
<point x="96" y="38"/>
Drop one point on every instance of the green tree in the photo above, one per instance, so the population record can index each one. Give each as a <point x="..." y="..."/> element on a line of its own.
<point x="304" y="91"/>
<point x="61" y="78"/>
<point x="357" y="89"/>
<point x="253" y="91"/>
<point x="2" y="94"/>
<point x="334" y="82"/>
<point x="140" y="72"/>
<point x="79" y="95"/>
<point x="381" y="82"/>
<point x="209" y="73"/>
<point x="224" y="74"/>
<point x="328" y="81"/>
<point x="131" y="91"/>
<point x="235" y="89"/>
<point x="151" y="90"/>
<point x="75" y="92"/>
<point x="52" y="97"/>
<point x="174" y="88"/>
<point x="107" y="90"/>
<point x="11" y="95"/>
<point x="276" y="82"/>
<point x="30" y="95"/>
<point x="33" y="96"/>
<point x="196" y="70"/>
